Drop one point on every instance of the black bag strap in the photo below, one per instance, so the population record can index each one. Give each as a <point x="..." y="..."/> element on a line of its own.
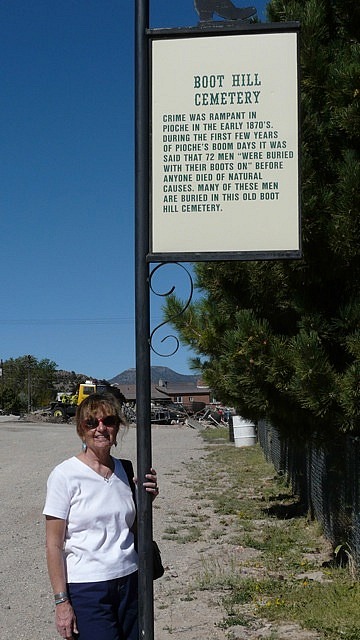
<point x="129" y="470"/>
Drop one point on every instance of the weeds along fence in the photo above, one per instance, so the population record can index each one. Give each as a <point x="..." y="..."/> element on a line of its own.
<point x="326" y="478"/>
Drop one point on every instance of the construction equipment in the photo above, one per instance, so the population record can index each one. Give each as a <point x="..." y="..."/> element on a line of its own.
<point x="65" y="404"/>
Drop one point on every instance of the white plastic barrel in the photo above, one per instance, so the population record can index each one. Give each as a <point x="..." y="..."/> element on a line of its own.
<point x="244" y="432"/>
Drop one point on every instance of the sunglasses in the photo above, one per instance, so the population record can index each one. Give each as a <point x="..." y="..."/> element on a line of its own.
<point x="108" y="421"/>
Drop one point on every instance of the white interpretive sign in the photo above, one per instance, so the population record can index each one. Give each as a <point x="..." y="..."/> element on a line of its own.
<point x="224" y="146"/>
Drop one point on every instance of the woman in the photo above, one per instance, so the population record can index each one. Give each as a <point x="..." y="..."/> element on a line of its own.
<point x="90" y="514"/>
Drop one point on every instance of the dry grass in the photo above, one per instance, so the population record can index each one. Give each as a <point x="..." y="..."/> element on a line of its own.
<point x="284" y="578"/>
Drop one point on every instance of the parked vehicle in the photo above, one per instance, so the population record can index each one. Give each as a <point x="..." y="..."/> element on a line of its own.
<point x="65" y="405"/>
<point x="160" y="415"/>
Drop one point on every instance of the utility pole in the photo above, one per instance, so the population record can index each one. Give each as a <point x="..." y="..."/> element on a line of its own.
<point x="2" y="383"/>
<point x="29" y="384"/>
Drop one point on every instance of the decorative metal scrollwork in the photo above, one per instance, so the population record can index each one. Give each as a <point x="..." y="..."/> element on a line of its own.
<point x="177" y="315"/>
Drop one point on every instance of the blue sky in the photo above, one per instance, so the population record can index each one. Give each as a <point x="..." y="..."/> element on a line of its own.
<point x="67" y="182"/>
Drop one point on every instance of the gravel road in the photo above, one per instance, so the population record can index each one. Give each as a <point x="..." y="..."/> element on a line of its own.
<point x="28" y="452"/>
<point x="193" y="540"/>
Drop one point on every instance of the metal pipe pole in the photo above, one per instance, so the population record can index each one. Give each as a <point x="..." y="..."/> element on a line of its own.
<point x="142" y="319"/>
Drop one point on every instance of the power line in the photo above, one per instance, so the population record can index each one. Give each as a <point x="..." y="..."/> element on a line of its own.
<point x="37" y="321"/>
<point x="67" y="321"/>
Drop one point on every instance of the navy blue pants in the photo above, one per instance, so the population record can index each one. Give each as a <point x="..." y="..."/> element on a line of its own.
<point x="106" y="610"/>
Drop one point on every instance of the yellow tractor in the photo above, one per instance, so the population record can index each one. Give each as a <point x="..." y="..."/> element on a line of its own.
<point x="65" y="405"/>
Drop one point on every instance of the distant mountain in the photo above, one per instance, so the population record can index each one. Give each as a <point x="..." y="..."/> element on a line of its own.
<point x="157" y="373"/>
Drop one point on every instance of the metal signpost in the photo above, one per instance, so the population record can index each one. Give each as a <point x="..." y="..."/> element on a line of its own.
<point x="219" y="181"/>
<point x="142" y="315"/>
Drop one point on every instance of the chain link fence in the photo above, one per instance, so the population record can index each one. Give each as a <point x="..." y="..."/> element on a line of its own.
<point x="326" y="479"/>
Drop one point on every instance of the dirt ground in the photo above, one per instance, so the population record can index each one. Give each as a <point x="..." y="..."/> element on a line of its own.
<point x="28" y="452"/>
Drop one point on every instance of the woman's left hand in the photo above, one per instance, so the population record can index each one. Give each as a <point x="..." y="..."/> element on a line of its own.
<point x="151" y="484"/>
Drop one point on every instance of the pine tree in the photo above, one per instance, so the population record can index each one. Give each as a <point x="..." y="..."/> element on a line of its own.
<point x="282" y="339"/>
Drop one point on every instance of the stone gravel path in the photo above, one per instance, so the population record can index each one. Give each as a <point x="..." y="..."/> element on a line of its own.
<point x="28" y="452"/>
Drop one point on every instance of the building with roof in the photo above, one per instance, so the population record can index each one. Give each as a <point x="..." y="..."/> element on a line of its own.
<point x="191" y="396"/>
